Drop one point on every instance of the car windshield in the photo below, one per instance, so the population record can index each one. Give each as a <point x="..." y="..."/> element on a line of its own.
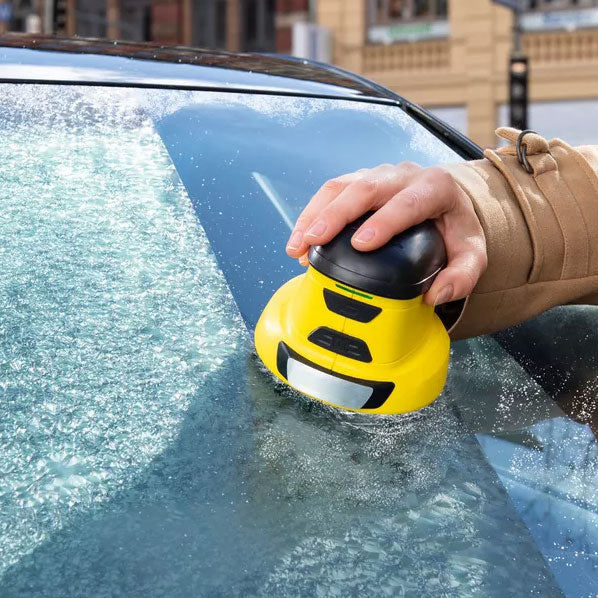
<point x="145" y="451"/>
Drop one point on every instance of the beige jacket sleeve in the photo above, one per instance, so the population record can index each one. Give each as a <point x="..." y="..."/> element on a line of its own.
<point x="541" y="231"/>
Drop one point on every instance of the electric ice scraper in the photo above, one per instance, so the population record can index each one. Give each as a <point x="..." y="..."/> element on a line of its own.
<point x="354" y="332"/>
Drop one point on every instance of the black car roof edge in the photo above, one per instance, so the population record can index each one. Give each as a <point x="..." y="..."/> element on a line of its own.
<point x="381" y="95"/>
<point x="210" y="88"/>
<point x="464" y="146"/>
<point x="204" y="57"/>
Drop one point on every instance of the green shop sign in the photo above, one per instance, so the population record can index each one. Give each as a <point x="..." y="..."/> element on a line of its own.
<point x="397" y="32"/>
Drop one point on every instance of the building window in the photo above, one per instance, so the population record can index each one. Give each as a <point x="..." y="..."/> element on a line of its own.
<point x="209" y="23"/>
<point x="544" y="5"/>
<point x="407" y="20"/>
<point x="384" y="12"/>
<point x="567" y="15"/>
<point x="257" y="26"/>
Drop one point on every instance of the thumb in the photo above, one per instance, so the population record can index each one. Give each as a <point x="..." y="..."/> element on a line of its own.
<point x="458" y="279"/>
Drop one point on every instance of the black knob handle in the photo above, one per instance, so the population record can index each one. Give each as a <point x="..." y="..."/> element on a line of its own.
<point x="404" y="268"/>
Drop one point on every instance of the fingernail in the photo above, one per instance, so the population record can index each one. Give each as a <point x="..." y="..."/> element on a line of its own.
<point x="365" y="235"/>
<point x="295" y="240"/>
<point x="319" y="228"/>
<point x="444" y="295"/>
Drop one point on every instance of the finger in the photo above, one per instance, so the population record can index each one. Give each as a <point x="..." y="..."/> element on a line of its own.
<point x="461" y="275"/>
<point x="362" y="194"/>
<point x="465" y="244"/>
<point x="414" y="204"/>
<point x="296" y="245"/>
<point x="356" y="199"/>
<point x="304" y="259"/>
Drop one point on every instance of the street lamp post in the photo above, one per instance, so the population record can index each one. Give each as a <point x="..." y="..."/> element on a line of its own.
<point x="187" y="19"/>
<point x="233" y="25"/>
<point x="518" y="69"/>
<point x="71" y="17"/>
<point x="113" y="19"/>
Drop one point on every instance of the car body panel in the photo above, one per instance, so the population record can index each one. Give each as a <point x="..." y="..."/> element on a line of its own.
<point x="39" y="58"/>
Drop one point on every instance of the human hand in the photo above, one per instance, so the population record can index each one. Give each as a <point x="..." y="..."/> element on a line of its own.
<point x="402" y="196"/>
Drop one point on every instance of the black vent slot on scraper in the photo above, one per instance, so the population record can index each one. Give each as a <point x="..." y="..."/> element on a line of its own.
<point x="350" y="308"/>
<point x="341" y="343"/>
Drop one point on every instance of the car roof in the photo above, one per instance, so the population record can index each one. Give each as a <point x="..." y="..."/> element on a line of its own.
<point x="81" y="61"/>
<point x="94" y="61"/>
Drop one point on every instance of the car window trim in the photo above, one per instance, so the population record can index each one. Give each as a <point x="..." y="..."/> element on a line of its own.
<point x="460" y="144"/>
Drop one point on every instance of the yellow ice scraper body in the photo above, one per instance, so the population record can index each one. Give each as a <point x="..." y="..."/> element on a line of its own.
<point x="353" y="331"/>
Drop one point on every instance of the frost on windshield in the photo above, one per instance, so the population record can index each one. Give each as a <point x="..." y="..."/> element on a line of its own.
<point x="112" y="310"/>
<point x="143" y="449"/>
<point x="289" y="111"/>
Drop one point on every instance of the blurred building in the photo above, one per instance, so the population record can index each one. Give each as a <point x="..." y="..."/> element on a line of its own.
<point x="448" y="55"/>
<point x="241" y="25"/>
<point x="452" y="56"/>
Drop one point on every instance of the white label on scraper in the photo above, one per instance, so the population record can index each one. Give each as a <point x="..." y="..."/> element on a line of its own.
<point x="327" y="387"/>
